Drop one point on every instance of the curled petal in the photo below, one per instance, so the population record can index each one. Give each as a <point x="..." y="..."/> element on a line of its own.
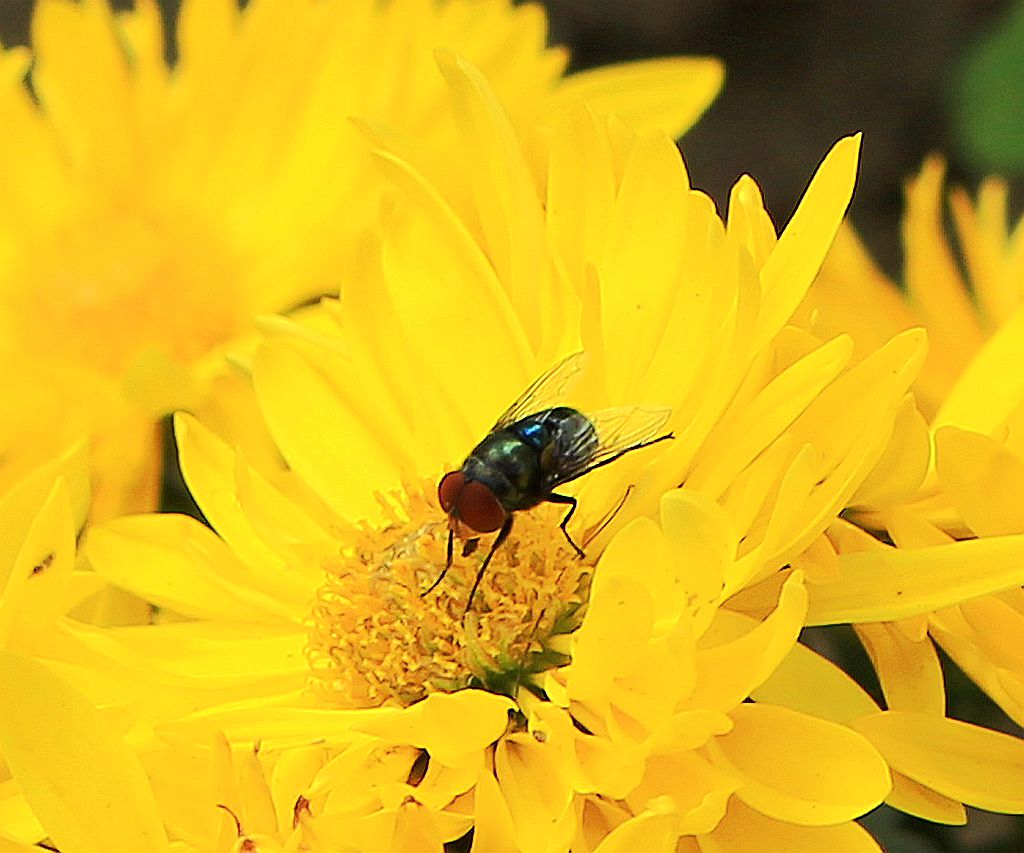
<point x="452" y="727"/>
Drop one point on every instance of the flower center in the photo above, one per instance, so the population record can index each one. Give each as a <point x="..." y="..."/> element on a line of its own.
<point x="103" y="289"/>
<point x="376" y="638"/>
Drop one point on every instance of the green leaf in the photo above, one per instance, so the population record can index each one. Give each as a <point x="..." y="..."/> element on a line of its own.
<point x="988" y="97"/>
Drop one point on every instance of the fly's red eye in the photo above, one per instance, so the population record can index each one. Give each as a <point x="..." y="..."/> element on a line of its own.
<point x="480" y="509"/>
<point x="449" y="489"/>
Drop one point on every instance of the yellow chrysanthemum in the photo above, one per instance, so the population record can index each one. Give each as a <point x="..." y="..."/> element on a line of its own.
<point x="955" y="575"/>
<point x="597" y="704"/>
<point x="961" y="293"/>
<point x="150" y="211"/>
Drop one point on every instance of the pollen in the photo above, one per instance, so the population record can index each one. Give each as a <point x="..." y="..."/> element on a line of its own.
<point x="377" y="639"/>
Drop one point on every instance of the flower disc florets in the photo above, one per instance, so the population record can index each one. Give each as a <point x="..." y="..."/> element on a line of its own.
<point x="377" y="639"/>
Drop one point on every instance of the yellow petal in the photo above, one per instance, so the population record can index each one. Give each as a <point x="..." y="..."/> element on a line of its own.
<point x="14" y="847"/>
<point x="38" y="589"/>
<point x="581" y="189"/>
<point x="699" y="788"/>
<point x="984" y="240"/>
<point x="493" y="829"/>
<point x="973" y="654"/>
<point x="176" y="562"/>
<point x="297" y="400"/>
<point x="740" y="439"/>
<point x="748" y="223"/>
<point x="850" y="423"/>
<point x="853" y="296"/>
<point x="506" y="198"/>
<point x="921" y="801"/>
<point x="819" y="563"/>
<point x="703" y="544"/>
<point x="537" y="790"/>
<point x="977" y="766"/>
<point x="903" y="466"/>
<point x="652" y="830"/>
<point x="796" y="258"/>
<point x="932" y="277"/>
<point x="884" y="584"/>
<point x="209" y="654"/>
<point x="16" y="817"/>
<point x="801" y="769"/>
<point x="996" y="627"/>
<point x="92" y="109"/>
<point x="727" y="673"/>
<point x="212" y="471"/>
<point x="745" y="830"/>
<point x="991" y="386"/>
<point x="602" y="652"/>
<point x="275" y="722"/>
<point x="656" y="94"/>
<point x="643" y="259"/>
<point x="83" y="782"/>
<point x="805" y="681"/>
<point x="909" y="671"/>
<point x="20" y="504"/>
<point x="453" y="727"/>
<point x="984" y="481"/>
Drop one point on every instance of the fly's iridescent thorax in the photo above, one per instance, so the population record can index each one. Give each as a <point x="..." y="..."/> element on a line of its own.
<point x="518" y="462"/>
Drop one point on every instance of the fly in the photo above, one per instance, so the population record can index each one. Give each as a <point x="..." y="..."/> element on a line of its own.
<point x="529" y="453"/>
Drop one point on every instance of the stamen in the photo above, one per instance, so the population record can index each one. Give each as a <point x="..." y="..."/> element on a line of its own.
<point x="375" y="639"/>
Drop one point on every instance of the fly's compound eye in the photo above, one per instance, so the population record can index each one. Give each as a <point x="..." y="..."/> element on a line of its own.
<point x="449" y="489"/>
<point x="480" y="509"/>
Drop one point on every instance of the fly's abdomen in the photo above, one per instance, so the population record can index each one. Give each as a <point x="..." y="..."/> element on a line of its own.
<point x="570" y="440"/>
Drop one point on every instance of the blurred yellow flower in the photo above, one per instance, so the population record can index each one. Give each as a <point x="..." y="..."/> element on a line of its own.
<point x="955" y="574"/>
<point x="151" y="210"/>
<point x="598" y="704"/>
<point x="962" y="292"/>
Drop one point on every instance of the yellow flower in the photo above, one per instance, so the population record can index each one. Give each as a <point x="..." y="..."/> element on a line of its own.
<point x="150" y="211"/>
<point x="595" y="703"/>
<point x="954" y="577"/>
<point x="960" y="306"/>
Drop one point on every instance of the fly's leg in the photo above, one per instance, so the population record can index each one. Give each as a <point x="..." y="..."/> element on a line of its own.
<point x="608" y="519"/>
<point x="573" y="503"/>
<point x="506" y="528"/>
<point x="447" y="565"/>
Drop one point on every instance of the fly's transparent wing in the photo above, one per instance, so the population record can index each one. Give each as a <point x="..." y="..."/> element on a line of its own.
<point x="544" y="391"/>
<point x="615" y="432"/>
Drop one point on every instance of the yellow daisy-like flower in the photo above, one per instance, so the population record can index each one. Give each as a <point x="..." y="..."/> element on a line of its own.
<point x="597" y="704"/>
<point x="961" y="306"/>
<point x="954" y="577"/>
<point x="150" y="211"/>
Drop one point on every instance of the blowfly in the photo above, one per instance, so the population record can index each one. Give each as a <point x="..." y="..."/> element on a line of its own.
<point x="529" y="453"/>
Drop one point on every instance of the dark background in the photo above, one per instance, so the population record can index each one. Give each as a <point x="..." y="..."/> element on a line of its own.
<point x="798" y="76"/>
